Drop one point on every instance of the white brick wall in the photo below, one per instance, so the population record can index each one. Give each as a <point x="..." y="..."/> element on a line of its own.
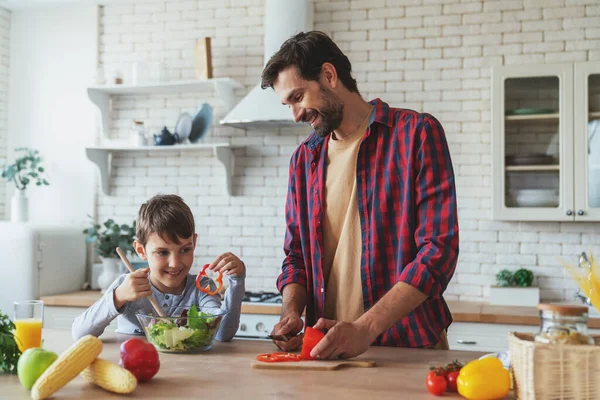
<point x="4" y="78"/>
<point x="433" y="56"/>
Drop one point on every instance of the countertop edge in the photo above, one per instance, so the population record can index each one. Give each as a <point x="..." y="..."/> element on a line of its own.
<point x="462" y="311"/>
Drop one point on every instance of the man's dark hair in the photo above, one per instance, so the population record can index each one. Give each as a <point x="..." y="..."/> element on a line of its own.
<point x="308" y="51"/>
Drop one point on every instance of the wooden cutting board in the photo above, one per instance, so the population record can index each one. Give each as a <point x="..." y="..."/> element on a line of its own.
<point x="324" y="365"/>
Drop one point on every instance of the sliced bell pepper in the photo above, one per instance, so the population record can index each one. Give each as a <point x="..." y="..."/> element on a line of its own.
<point x="312" y="336"/>
<point x="278" y="357"/>
<point x="484" y="379"/>
<point x="206" y="289"/>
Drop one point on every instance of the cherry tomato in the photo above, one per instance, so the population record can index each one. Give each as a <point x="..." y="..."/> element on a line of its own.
<point x="451" y="379"/>
<point x="436" y="383"/>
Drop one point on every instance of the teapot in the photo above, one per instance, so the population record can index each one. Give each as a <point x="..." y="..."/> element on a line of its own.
<point x="166" y="138"/>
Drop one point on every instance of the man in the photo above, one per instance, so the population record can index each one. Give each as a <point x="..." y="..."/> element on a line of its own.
<point x="372" y="231"/>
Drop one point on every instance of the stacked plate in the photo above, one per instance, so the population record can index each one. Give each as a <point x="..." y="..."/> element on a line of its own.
<point x="534" y="197"/>
<point x="530" y="159"/>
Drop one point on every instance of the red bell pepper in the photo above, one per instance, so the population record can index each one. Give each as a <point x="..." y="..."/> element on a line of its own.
<point x="140" y="358"/>
<point x="206" y="289"/>
<point x="311" y="338"/>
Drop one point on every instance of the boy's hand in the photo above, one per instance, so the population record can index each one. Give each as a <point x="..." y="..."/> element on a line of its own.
<point x="135" y="286"/>
<point x="228" y="264"/>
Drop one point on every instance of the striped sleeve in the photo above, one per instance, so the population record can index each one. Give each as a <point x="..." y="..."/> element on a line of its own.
<point x="436" y="231"/>
<point x="293" y="268"/>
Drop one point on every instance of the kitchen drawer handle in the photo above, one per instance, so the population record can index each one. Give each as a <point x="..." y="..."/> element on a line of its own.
<point x="471" y="342"/>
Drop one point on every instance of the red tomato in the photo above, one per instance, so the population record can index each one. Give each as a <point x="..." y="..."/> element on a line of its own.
<point x="311" y="338"/>
<point x="140" y="358"/>
<point x="451" y="379"/>
<point x="436" y="383"/>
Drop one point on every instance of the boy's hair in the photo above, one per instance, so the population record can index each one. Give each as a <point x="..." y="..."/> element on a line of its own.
<point x="308" y="51"/>
<point x="168" y="216"/>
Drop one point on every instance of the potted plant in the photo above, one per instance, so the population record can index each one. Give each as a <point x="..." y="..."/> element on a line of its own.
<point x="514" y="289"/>
<point x="106" y="238"/>
<point x="25" y="170"/>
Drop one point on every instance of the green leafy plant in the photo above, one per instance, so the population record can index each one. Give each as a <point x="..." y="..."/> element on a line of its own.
<point x="107" y="237"/>
<point x="523" y="277"/>
<point x="9" y="351"/>
<point x="505" y="278"/>
<point x="26" y="169"/>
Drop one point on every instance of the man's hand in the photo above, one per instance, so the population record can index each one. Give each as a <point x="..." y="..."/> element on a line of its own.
<point x="135" y="286"/>
<point x="290" y="325"/>
<point x="343" y="339"/>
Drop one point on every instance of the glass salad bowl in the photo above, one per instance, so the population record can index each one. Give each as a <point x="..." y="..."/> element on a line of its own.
<point x="186" y="330"/>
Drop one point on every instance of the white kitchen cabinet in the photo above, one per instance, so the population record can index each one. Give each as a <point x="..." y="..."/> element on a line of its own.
<point x="62" y="318"/>
<point x="472" y="336"/>
<point x="545" y="151"/>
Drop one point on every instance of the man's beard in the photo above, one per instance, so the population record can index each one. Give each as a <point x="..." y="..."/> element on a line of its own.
<point x="331" y="113"/>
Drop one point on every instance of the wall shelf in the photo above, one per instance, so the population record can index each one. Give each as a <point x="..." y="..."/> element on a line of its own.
<point x="101" y="95"/>
<point x="532" y="117"/>
<point x="102" y="157"/>
<point x="525" y="168"/>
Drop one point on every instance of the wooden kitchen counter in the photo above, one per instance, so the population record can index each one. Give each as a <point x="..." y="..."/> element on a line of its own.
<point x="462" y="311"/>
<point x="224" y="372"/>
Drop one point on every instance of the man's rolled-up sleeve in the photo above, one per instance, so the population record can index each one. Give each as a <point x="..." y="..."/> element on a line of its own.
<point x="293" y="267"/>
<point x="436" y="232"/>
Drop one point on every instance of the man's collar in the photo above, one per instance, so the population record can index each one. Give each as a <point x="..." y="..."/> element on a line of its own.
<point x="381" y="115"/>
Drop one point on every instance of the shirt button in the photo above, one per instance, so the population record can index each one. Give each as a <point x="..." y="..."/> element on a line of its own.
<point x="167" y="296"/>
<point x="322" y="290"/>
<point x="165" y="304"/>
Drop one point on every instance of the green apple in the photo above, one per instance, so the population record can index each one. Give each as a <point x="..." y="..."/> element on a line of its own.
<point x="32" y="364"/>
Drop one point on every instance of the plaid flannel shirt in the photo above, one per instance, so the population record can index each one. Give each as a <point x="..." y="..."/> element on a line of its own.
<point x="409" y="223"/>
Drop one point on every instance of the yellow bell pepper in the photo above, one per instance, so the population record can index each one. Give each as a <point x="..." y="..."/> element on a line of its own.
<point x="484" y="379"/>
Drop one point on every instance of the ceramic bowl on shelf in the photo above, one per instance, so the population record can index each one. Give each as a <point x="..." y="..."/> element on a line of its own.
<point x="530" y="111"/>
<point x="534" y="197"/>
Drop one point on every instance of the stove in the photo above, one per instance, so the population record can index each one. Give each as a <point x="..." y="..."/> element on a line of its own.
<point x="259" y="324"/>
<point x="262" y="297"/>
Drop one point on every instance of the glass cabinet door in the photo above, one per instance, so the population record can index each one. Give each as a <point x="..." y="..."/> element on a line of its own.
<point x="587" y="141"/>
<point x="532" y="139"/>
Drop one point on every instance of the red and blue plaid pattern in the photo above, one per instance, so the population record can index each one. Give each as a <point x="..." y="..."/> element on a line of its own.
<point x="408" y="216"/>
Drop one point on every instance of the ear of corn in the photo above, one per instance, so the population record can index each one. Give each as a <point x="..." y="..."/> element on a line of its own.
<point x="110" y="376"/>
<point x="68" y="365"/>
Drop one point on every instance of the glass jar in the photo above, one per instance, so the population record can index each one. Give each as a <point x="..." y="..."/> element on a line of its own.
<point x="563" y="324"/>
<point x="138" y="134"/>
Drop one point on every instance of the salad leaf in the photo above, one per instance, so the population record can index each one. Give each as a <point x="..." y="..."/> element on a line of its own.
<point x="194" y="322"/>
<point x="195" y="334"/>
<point x="9" y="351"/>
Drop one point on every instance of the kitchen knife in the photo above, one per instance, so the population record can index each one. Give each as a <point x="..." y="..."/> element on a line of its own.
<point x="281" y="338"/>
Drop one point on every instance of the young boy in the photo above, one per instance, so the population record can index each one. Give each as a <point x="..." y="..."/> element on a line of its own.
<point x="166" y="238"/>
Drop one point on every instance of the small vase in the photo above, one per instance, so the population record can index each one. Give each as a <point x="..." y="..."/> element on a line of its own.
<point x="110" y="272"/>
<point x="19" y="210"/>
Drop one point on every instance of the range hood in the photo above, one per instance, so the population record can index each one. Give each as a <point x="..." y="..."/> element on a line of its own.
<point x="262" y="108"/>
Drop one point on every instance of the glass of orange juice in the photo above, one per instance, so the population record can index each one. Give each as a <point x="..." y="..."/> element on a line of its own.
<point x="29" y="315"/>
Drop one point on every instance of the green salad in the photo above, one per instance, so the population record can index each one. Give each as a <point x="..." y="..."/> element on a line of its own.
<point x="187" y="333"/>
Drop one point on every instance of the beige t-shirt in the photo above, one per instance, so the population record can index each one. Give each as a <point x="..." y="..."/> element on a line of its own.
<point x="341" y="230"/>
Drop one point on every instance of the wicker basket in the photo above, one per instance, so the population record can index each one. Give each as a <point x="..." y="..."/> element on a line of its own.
<point x="554" y="372"/>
